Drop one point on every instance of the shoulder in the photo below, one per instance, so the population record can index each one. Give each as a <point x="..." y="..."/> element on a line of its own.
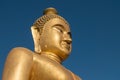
<point x="18" y="64"/>
<point x="20" y="52"/>
<point x="20" y="55"/>
<point x="21" y="49"/>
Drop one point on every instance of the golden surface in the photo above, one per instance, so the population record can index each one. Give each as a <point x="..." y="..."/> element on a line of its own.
<point x="52" y="41"/>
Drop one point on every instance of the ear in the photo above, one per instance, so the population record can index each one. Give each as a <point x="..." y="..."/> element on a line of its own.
<point x="36" y="38"/>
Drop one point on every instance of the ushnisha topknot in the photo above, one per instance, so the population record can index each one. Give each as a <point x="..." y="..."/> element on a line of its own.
<point x="50" y="10"/>
<point x="48" y="14"/>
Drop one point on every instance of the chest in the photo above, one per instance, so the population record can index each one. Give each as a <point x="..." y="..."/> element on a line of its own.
<point x="46" y="69"/>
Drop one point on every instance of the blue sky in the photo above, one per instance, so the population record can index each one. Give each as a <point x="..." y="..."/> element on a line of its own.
<point x="95" y="27"/>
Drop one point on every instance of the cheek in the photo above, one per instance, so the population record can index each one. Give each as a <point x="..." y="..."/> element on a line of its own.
<point x="57" y="37"/>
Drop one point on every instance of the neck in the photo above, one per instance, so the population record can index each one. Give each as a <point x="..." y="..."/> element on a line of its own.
<point x="52" y="56"/>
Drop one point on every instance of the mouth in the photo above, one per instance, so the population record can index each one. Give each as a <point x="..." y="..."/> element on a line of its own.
<point x="65" y="45"/>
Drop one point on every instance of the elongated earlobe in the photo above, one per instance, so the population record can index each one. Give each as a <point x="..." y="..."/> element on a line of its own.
<point x="36" y="38"/>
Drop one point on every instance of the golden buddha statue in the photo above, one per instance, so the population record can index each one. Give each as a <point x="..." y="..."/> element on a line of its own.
<point x="52" y="40"/>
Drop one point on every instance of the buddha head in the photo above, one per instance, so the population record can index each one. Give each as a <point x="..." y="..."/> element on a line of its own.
<point x="51" y="33"/>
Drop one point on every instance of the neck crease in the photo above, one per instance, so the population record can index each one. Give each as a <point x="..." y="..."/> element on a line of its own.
<point x="52" y="56"/>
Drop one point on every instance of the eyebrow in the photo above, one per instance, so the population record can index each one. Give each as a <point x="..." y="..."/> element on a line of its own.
<point x="58" y="25"/>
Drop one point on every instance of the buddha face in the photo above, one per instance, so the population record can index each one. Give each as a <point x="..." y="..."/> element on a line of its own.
<point x="56" y="38"/>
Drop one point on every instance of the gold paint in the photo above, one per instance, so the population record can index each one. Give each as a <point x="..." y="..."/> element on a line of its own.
<point x="53" y="44"/>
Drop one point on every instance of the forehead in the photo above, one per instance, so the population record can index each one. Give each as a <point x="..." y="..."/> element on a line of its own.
<point x="56" y="21"/>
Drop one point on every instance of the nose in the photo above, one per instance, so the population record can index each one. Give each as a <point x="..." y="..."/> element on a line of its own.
<point x="69" y="41"/>
<point x="67" y="38"/>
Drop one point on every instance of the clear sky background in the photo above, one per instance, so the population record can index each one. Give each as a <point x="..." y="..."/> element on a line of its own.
<point x="95" y="26"/>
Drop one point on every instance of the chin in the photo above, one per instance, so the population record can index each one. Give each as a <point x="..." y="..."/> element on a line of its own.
<point x="65" y="54"/>
<point x="67" y="51"/>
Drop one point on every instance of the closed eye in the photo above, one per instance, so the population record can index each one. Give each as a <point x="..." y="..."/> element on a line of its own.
<point x="69" y="33"/>
<point x="58" y="28"/>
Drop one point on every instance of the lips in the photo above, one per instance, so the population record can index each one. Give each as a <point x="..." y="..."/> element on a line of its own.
<point x="65" y="45"/>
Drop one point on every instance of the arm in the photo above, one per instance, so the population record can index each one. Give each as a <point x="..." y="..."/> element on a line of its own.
<point x="18" y="65"/>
